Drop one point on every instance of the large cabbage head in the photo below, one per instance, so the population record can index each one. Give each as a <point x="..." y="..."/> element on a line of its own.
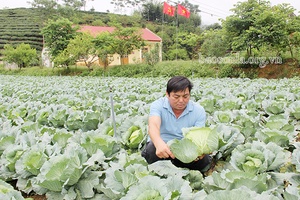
<point x="206" y="140"/>
<point x="196" y="142"/>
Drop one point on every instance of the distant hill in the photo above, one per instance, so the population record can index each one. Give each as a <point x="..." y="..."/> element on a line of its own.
<point x="21" y="25"/>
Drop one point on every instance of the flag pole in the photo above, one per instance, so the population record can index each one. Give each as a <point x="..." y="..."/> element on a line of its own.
<point x="162" y="30"/>
<point x="177" y="31"/>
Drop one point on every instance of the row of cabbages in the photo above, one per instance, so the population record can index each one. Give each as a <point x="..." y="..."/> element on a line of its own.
<point x="57" y="138"/>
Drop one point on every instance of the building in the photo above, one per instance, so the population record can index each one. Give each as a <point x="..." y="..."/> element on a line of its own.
<point x="150" y="38"/>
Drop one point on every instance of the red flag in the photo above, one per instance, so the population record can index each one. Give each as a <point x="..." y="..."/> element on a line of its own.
<point x="169" y="10"/>
<point x="183" y="11"/>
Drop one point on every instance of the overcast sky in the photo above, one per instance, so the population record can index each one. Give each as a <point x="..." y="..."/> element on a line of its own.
<point x="212" y="9"/>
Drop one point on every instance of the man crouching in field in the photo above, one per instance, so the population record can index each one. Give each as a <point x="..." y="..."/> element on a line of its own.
<point x="168" y="115"/>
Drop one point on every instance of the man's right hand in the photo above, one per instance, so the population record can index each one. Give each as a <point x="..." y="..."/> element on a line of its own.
<point x="163" y="150"/>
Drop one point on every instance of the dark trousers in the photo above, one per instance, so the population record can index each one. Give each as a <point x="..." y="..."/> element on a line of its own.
<point x="149" y="153"/>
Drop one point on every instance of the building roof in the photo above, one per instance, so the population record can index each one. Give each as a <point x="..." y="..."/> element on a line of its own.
<point x="95" y="30"/>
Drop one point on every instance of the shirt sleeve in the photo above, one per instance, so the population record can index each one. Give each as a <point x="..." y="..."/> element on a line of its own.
<point x="200" y="115"/>
<point x="155" y="108"/>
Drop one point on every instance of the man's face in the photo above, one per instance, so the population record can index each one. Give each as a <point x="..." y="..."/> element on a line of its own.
<point x="179" y="100"/>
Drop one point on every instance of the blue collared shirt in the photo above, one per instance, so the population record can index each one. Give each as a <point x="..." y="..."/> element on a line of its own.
<point x="193" y="115"/>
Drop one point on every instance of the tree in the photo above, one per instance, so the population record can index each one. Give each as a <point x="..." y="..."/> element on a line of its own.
<point x="127" y="40"/>
<point x="152" y="11"/>
<point x="104" y="43"/>
<point x="57" y="35"/>
<point x="175" y="54"/>
<point x="214" y="26"/>
<point x="273" y="27"/>
<point x="215" y="43"/>
<point x="191" y="7"/>
<point x="256" y="24"/>
<point x="63" y="59"/>
<point x="120" y="4"/>
<point x="82" y="48"/>
<point x="152" y="57"/>
<point x="44" y="4"/>
<point x="238" y="25"/>
<point x="191" y="24"/>
<point x="290" y="26"/>
<point x="75" y="4"/>
<point x="51" y="8"/>
<point x="23" y="55"/>
<point x="294" y="41"/>
<point x="69" y="8"/>
<point x="46" y="7"/>
<point x="53" y="4"/>
<point x="191" y="42"/>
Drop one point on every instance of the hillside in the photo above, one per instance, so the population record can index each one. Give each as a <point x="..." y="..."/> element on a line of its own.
<point x="290" y="68"/>
<point x="23" y="25"/>
<point x="20" y="26"/>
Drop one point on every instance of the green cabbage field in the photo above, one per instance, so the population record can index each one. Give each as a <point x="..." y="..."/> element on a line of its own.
<point x="57" y="138"/>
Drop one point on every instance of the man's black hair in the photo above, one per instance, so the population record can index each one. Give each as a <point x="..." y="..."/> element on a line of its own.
<point x="179" y="83"/>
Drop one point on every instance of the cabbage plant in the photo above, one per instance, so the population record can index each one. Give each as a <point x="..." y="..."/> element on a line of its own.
<point x="8" y="192"/>
<point x="153" y="187"/>
<point x="258" y="157"/>
<point x="225" y="117"/>
<point x="62" y="170"/>
<point x="273" y="107"/>
<point x="58" y="116"/>
<point x="94" y="140"/>
<point x="9" y="159"/>
<point x="133" y="137"/>
<point x="31" y="161"/>
<point x="295" y="109"/>
<point x="267" y="135"/>
<point x="230" y="179"/>
<point x="240" y="193"/>
<point x="57" y="139"/>
<point x="296" y="156"/>
<point x="196" y="142"/>
<point x="133" y="132"/>
<point x="229" y="138"/>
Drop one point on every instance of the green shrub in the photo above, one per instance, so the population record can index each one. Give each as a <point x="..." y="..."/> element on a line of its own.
<point x="225" y="70"/>
<point x="203" y="70"/>
<point x="98" y="71"/>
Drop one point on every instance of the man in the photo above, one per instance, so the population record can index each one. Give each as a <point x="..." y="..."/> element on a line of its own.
<point x="168" y="115"/>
